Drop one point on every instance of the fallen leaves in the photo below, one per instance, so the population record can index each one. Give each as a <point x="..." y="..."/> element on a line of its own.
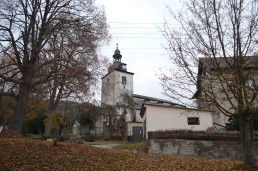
<point x="24" y="154"/>
<point x="8" y="133"/>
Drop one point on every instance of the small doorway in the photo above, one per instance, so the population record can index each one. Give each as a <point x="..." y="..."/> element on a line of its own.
<point x="137" y="133"/>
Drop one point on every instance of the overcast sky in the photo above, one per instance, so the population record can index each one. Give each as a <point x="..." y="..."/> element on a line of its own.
<point x="134" y="25"/>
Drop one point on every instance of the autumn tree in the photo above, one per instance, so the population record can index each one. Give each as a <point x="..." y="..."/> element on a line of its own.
<point x="35" y="116"/>
<point x="7" y="106"/>
<point x="26" y="27"/>
<point x="214" y="51"/>
<point x="76" y="62"/>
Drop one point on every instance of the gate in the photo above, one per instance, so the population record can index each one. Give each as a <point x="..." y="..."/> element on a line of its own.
<point x="137" y="133"/>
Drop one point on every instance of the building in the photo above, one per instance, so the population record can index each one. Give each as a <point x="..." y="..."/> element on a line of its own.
<point x="139" y="119"/>
<point x="116" y="84"/>
<point x="171" y="117"/>
<point x="218" y="85"/>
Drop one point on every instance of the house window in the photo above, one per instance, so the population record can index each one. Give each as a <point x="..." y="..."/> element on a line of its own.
<point x="124" y="80"/>
<point x="193" y="120"/>
<point x="251" y="83"/>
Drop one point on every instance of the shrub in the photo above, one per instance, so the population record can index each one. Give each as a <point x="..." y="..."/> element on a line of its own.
<point x="195" y="135"/>
<point x="64" y="138"/>
<point x="89" y="137"/>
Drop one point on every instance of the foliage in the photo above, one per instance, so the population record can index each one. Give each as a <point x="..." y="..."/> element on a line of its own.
<point x="76" y="63"/>
<point x="34" y="107"/>
<point x="7" y="106"/>
<point x="64" y="138"/>
<point x="86" y="119"/>
<point x="88" y="114"/>
<point x="26" y="154"/>
<point x="89" y="137"/>
<point x="35" y="116"/>
<point x="28" y="61"/>
<point x="54" y="121"/>
<point x="196" y="135"/>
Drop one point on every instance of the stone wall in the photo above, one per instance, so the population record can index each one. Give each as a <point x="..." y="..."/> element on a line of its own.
<point x="200" y="148"/>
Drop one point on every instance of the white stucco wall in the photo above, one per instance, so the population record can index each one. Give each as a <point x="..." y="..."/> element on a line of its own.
<point x="138" y="116"/>
<point x="121" y="88"/>
<point x="108" y="89"/>
<point x="169" y="118"/>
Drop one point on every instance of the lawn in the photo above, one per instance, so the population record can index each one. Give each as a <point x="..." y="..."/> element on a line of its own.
<point x="138" y="146"/>
<point x="27" y="154"/>
<point x="102" y="142"/>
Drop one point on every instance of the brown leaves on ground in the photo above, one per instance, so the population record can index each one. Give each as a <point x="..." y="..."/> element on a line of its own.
<point x="10" y="134"/>
<point x="24" y="154"/>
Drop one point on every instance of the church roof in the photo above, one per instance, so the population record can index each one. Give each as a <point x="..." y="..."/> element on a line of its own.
<point x="117" y="69"/>
<point x="140" y="100"/>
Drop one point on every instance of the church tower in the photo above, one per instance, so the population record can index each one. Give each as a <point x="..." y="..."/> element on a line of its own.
<point x="116" y="82"/>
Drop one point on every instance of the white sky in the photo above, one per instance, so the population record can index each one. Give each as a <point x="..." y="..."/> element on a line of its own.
<point x="134" y="26"/>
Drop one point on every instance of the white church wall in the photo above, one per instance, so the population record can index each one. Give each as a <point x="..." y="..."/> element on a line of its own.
<point x="138" y="116"/>
<point x="108" y="89"/>
<point x="121" y="88"/>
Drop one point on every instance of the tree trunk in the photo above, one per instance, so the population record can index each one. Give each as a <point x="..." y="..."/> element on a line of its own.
<point x="20" y="110"/>
<point x="247" y="142"/>
<point x="47" y="131"/>
<point x="52" y="106"/>
<point x="48" y="123"/>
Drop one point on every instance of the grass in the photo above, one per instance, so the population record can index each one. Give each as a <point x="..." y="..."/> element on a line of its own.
<point x="35" y="137"/>
<point x="256" y="134"/>
<point x="102" y="142"/>
<point x="67" y="137"/>
<point x="139" y="146"/>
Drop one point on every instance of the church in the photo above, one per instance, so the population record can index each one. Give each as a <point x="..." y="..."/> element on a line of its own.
<point x="130" y="118"/>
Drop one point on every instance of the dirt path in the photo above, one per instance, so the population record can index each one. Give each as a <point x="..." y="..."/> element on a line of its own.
<point x="108" y="146"/>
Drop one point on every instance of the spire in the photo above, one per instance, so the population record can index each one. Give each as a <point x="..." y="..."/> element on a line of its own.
<point x="117" y="55"/>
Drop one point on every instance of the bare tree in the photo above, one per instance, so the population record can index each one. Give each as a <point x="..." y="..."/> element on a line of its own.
<point x="25" y="28"/>
<point x="213" y="51"/>
<point x="112" y="121"/>
<point x="76" y="65"/>
<point x="116" y="116"/>
<point x="87" y="115"/>
<point x="127" y="104"/>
